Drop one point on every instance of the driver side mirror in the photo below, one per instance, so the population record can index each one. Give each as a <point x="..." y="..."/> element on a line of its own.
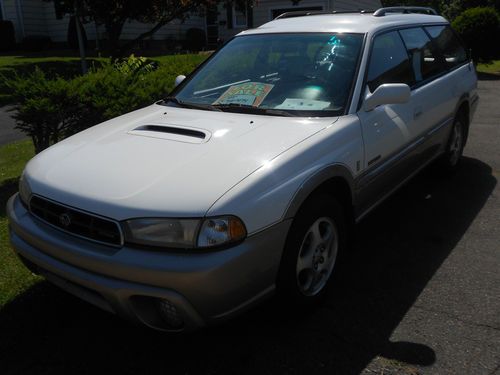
<point x="179" y="79"/>
<point x="388" y="93"/>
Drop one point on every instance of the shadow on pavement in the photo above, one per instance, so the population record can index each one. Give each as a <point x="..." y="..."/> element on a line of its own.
<point x="399" y="248"/>
<point x="488" y="76"/>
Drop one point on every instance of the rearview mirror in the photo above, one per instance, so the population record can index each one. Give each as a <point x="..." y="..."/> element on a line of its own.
<point x="388" y="93"/>
<point x="179" y="79"/>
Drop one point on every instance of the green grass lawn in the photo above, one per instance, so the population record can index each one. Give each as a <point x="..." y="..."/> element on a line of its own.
<point x="14" y="277"/>
<point x="492" y="67"/>
<point x="70" y="66"/>
<point x="65" y="65"/>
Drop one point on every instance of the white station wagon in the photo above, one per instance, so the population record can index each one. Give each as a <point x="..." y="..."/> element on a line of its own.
<point x="246" y="180"/>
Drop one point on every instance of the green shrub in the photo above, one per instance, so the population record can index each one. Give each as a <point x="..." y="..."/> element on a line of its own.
<point x="7" y="36"/>
<point x="49" y="110"/>
<point x="44" y="107"/>
<point x="480" y="28"/>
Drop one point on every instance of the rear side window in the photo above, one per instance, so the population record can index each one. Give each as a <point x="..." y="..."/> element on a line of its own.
<point x="448" y="45"/>
<point x="425" y="61"/>
<point x="389" y="61"/>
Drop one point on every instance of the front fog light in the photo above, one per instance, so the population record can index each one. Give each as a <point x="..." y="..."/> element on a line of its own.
<point x="221" y="230"/>
<point x="24" y="190"/>
<point x="170" y="314"/>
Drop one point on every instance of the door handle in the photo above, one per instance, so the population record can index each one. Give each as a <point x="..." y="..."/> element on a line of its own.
<point x="418" y="112"/>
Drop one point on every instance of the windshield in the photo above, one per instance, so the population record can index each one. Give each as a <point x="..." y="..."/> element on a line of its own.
<point x="308" y="74"/>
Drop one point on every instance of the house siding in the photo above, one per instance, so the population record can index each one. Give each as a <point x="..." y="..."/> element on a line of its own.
<point x="262" y="12"/>
<point x="10" y="14"/>
<point x="39" y="18"/>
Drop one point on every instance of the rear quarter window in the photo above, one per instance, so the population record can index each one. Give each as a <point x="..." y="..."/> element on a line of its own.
<point x="448" y="45"/>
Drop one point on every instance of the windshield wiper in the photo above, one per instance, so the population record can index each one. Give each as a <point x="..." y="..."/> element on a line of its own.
<point x="206" y="107"/>
<point x="245" y="108"/>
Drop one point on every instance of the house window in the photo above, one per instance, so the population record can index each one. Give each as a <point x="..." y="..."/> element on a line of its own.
<point x="239" y="17"/>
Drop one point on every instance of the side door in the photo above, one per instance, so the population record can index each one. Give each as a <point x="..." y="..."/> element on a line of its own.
<point x="387" y="129"/>
<point x="459" y="78"/>
<point x="432" y="92"/>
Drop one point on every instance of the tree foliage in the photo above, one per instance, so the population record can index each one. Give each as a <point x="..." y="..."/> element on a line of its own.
<point x="113" y="14"/>
<point x="478" y="27"/>
<point x="49" y="109"/>
<point x="448" y="8"/>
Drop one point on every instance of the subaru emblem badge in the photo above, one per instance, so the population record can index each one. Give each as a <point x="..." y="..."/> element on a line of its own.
<point x="65" y="220"/>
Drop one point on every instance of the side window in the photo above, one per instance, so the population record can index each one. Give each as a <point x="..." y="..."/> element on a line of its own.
<point x="424" y="60"/>
<point x="389" y="61"/>
<point x="448" y="45"/>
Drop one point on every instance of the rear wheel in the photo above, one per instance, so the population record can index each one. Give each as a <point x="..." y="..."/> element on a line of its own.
<point x="315" y="239"/>
<point x="456" y="143"/>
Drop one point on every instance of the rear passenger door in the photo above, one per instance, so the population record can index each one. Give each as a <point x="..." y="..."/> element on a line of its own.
<point x="459" y="78"/>
<point x="432" y="91"/>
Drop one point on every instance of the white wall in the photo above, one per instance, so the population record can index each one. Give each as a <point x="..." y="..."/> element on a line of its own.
<point x="10" y="14"/>
<point x="39" y="18"/>
<point x="262" y="13"/>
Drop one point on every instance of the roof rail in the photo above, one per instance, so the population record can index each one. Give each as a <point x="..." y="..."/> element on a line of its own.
<point x="302" y="13"/>
<point x="405" y="10"/>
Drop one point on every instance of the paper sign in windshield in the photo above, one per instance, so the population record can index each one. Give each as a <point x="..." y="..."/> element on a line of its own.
<point x="303" y="105"/>
<point x="249" y="93"/>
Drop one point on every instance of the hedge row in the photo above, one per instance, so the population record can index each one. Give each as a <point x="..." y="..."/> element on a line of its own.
<point x="480" y="29"/>
<point x="49" y="109"/>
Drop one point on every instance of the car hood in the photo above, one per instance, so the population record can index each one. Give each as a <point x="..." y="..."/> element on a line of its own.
<point x="162" y="161"/>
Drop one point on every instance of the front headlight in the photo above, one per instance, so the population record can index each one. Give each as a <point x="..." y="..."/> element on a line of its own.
<point x="177" y="233"/>
<point x="185" y="233"/>
<point x="24" y="190"/>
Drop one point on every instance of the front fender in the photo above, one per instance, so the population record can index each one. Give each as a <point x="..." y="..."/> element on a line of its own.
<point x="275" y="191"/>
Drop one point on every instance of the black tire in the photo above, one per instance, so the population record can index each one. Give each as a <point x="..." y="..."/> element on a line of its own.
<point x="321" y="209"/>
<point x="450" y="160"/>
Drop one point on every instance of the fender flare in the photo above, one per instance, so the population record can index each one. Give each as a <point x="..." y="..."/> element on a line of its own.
<point x="316" y="180"/>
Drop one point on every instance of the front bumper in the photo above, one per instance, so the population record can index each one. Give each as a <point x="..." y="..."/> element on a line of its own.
<point x="204" y="287"/>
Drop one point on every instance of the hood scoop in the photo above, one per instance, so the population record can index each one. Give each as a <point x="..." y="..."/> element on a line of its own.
<point x="172" y="133"/>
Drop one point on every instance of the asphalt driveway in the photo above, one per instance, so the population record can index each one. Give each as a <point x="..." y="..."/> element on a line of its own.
<point x="8" y="133"/>
<point x="420" y="293"/>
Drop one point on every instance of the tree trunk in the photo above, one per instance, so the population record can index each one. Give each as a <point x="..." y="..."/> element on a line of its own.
<point x="177" y="14"/>
<point x="130" y="44"/>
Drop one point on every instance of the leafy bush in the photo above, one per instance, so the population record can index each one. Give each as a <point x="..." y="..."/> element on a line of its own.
<point x="480" y="28"/>
<point x="135" y="65"/>
<point x="7" y="36"/>
<point x="44" y="109"/>
<point x="49" y="110"/>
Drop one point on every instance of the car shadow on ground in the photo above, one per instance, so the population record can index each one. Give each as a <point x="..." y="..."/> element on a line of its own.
<point x="398" y="249"/>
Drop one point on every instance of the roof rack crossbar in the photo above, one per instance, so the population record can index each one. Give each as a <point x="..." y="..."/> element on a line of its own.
<point x="302" y="13"/>
<point x="405" y="10"/>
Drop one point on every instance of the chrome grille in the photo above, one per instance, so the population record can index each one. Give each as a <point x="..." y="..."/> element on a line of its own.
<point x="76" y="222"/>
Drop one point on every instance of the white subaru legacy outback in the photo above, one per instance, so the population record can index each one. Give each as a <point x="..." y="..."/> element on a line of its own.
<point x="247" y="178"/>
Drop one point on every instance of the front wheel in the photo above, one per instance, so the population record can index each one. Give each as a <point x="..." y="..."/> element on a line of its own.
<point x="315" y="239"/>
